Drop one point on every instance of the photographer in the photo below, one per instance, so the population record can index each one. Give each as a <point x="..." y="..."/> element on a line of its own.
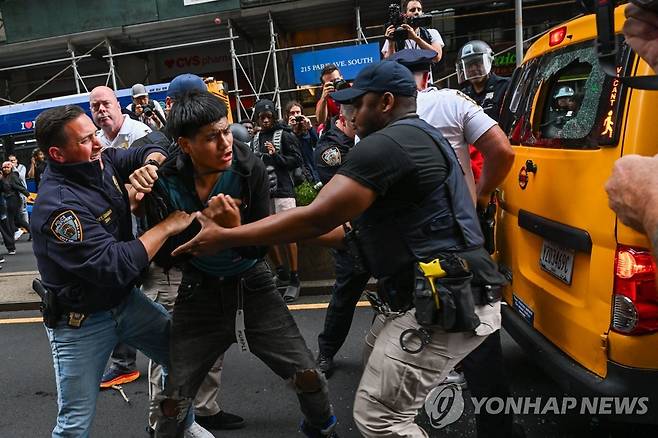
<point x="326" y="108"/>
<point x="633" y="186"/>
<point x="306" y="135"/>
<point x="149" y="111"/>
<point x="417" y="38"/>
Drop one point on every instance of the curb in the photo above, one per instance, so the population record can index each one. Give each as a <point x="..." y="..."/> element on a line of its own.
<point x="309" y="288"/>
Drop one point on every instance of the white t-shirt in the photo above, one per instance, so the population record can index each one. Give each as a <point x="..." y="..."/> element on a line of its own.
<point x="130" y="131"/>
<point x="460" y="120"/>
<point x="435" y="36"/>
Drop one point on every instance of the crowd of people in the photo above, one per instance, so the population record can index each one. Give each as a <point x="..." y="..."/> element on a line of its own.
<point x="153" y="225"/>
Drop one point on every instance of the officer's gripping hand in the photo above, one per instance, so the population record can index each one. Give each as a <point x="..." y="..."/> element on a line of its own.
<point x="208" y="241"/>
<point x="176" y="222"/>
<point x="224" y="211"/>
<point x="641" y="32"/>
<point x="633" y="192"/>
<point x="143" y="179"/>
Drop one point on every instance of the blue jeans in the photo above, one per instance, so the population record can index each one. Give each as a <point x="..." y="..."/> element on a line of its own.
<point x="80" y="355"/>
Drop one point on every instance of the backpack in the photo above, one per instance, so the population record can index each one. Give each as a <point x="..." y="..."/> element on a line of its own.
<point x="300" y="174"/>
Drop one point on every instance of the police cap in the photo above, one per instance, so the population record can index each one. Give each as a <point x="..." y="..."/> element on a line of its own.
<point x="185" y="83"/>
<point x="380" y="77"/>
<point x="415" y="59"/>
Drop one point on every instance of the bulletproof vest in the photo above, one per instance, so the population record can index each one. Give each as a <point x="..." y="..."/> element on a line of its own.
<point x="445" y="220"/>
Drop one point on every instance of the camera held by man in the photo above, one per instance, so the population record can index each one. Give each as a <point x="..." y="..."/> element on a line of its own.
<point x="410" y="28"/>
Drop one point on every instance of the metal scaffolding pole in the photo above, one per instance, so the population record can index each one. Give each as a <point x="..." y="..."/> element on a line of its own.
<point x="238" y="102"/>
<point x="74" y="65"/>
<point x="274" y="64"/>
<point x="519" y="32"/>
<point x="359" y="30"/>
<point x="111" y="61"/>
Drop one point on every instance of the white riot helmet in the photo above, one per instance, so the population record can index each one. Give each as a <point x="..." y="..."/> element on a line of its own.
<point x="564" y="91"/>
<point x="474" y="61"/>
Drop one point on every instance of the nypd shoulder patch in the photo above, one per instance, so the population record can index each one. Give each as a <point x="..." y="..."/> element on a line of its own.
<point x="332" y="156"/>
<point x="67" y="227"/>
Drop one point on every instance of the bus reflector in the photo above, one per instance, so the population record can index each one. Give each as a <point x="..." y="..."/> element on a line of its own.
<point x="557" y="36"/>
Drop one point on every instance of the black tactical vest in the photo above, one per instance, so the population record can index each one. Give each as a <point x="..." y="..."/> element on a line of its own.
<point x="446" y="220"/>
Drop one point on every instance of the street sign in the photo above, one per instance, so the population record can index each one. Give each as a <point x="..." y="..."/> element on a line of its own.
<point x="349" y="60"/>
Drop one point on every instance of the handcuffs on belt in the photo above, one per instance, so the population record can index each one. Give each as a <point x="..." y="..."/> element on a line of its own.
<point x="423" y="334"/>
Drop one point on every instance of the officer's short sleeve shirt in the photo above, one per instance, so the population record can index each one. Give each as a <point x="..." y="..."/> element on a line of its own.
<point x="401" y="164"/>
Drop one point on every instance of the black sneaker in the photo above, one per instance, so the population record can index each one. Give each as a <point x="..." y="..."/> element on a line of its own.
<point x="325" y="364"/>
<point x="220" y="421"/>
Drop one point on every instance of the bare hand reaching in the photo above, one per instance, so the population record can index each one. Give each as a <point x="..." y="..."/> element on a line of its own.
<point x="224" y="211"/>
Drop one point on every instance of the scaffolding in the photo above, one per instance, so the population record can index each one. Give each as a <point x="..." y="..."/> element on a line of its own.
<point x="237" y="60"/>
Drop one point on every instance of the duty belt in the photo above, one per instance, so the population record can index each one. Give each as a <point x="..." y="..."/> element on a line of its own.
<point x="487" y="294"/>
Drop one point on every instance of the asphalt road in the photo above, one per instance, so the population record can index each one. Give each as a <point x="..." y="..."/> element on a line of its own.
<point x="22" y="261"/>
<point x="28" y="404"/>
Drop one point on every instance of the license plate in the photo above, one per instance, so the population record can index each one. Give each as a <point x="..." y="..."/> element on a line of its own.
<point x="557" y="261"/>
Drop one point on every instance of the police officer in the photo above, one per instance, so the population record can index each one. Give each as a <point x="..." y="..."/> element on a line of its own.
<point x="89" y="261"/>
<point x="474" y="62"/>
<point x="563" y="108"/>
<point x="404" y="190"/>
<point x="463" y="122"/>
<point x="330" y="153"/>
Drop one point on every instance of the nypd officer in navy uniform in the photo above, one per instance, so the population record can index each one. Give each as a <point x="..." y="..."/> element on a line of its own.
<point x="330" y="152"/>
<point x="90" y="262"/>
<point x="474" y="63"/>
<point x="404" y="190"/>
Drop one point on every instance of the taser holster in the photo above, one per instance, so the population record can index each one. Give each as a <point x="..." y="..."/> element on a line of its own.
<point x="443" y="295"/>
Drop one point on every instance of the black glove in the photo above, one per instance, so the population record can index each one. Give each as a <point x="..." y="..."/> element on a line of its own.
<point x="271" y="175"/>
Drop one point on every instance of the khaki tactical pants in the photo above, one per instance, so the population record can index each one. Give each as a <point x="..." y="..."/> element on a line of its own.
<point x="395" y="383"/>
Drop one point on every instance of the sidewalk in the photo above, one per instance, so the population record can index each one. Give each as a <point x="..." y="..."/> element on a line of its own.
<point x="16" y="290"/>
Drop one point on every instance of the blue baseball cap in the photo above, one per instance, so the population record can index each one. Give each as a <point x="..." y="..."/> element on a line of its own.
<point x="381" y="77"/>
<point x="185" y="83"/>
<point x="414" y="59"/>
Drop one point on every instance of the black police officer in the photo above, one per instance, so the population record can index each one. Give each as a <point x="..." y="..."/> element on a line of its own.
<point x="403" y="187"/>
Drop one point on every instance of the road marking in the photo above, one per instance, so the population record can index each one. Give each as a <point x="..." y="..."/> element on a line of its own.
<point x="292" y="307"/>
<point x="314" y="306"/>
<point x="20" y="320"/>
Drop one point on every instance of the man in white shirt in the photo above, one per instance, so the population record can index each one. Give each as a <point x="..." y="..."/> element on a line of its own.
<point x="117" y="130"/>
<point x="462" y="122"/>
<point x="419" y="38"/>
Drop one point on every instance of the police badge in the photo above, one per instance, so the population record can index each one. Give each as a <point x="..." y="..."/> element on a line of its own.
<point x="332" y="157"/>
<point x="66" y="227"/>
